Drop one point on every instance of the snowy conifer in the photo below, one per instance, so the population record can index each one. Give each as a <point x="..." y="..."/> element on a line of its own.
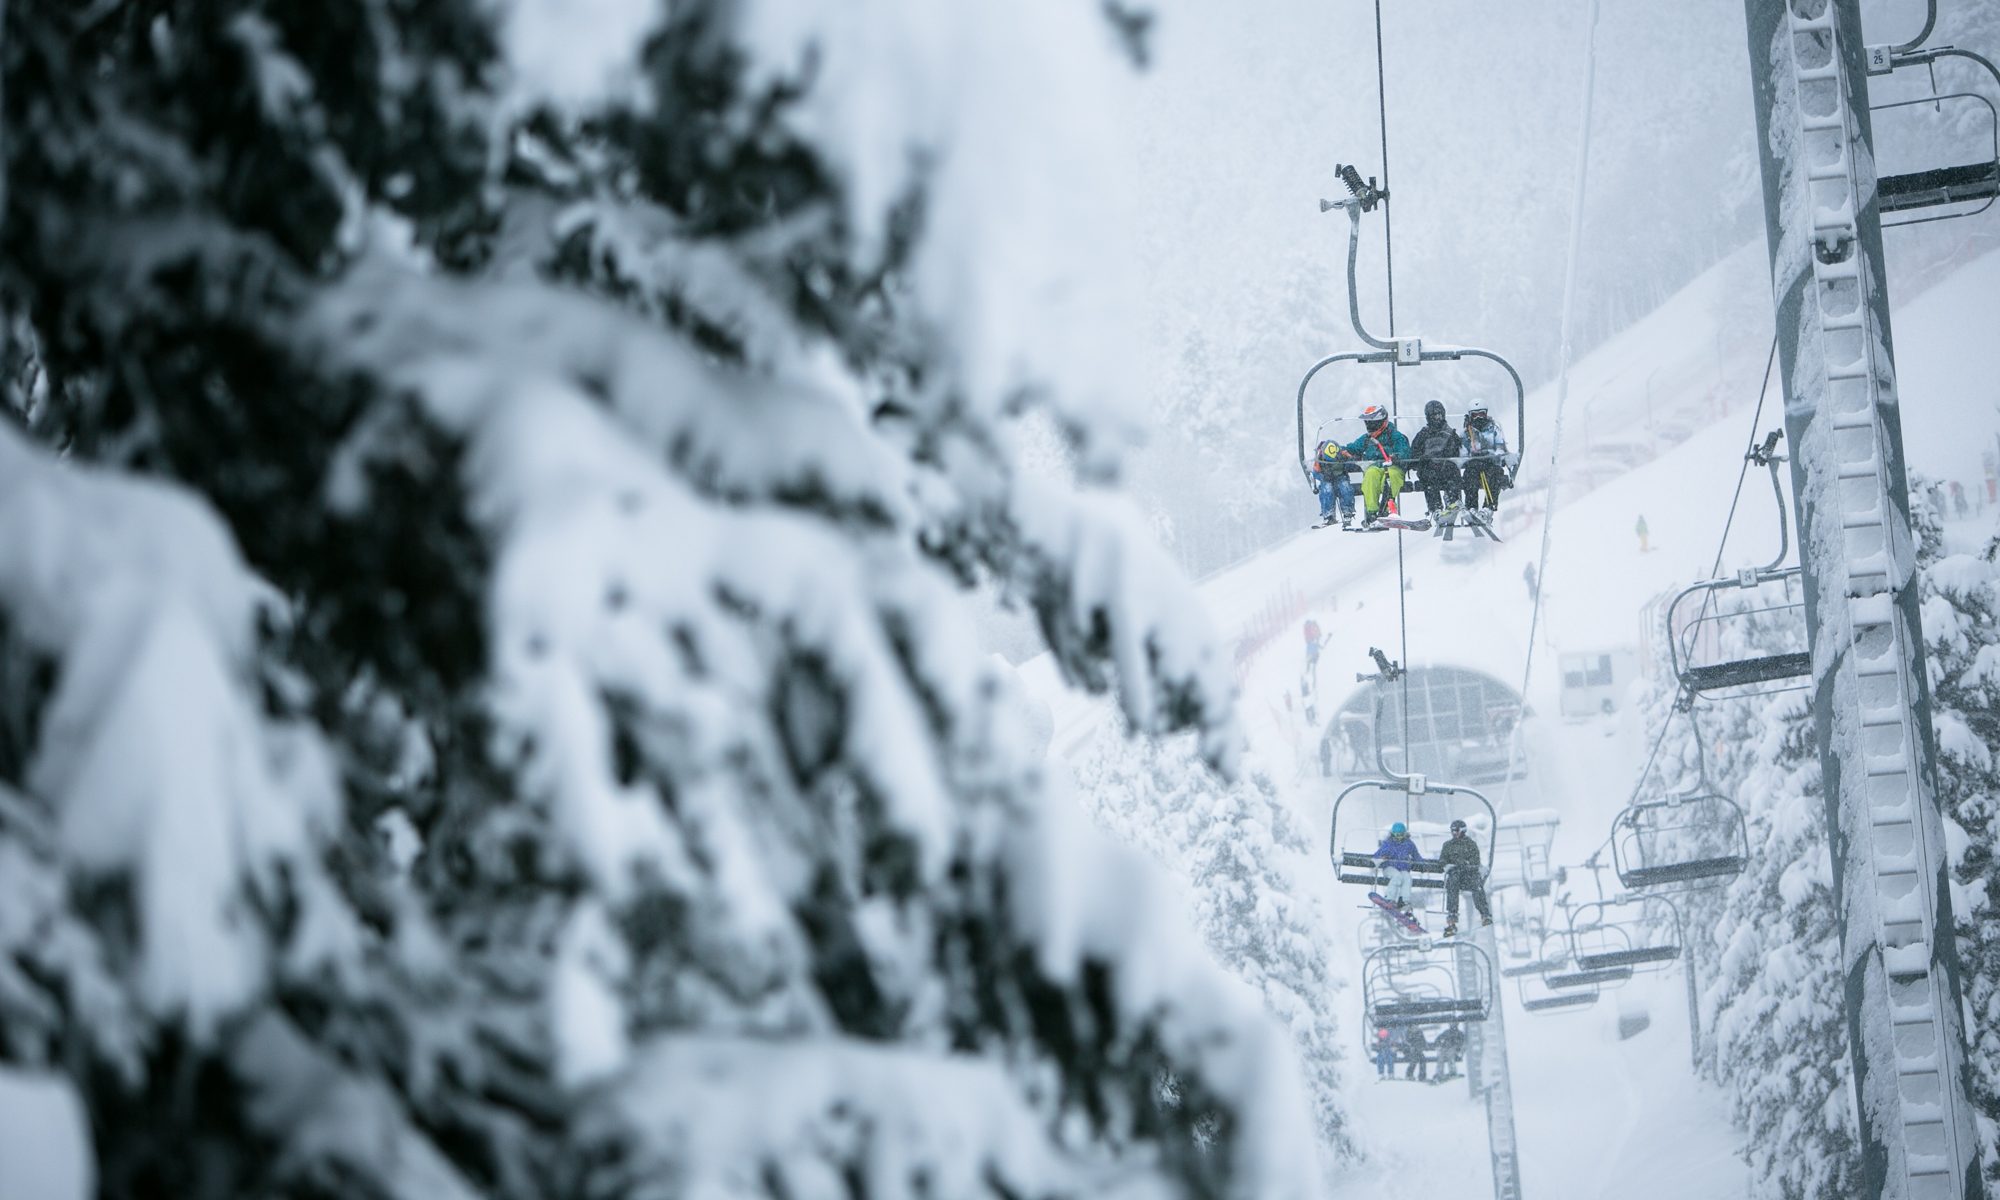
<point x="532" y="743"/>
<point x="1961" y="616"/>
<point x="1240" y="852"/>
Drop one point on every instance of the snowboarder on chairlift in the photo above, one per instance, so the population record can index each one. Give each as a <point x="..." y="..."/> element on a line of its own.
<point x="1435" y="445"/>
<point x="1385" y="1055"/>
<point x="1381" y="449"/>
<point x="1484" y="474"/>
<point x="1395" y="858"/>
<point x="1331" y="484"/>
<point x="1460" y="857"/>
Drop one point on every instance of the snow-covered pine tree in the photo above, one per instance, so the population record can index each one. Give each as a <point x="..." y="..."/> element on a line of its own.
<point x="1961" y="615"/>
<point x="1767" y="944"/>
<point x="564" y="768"/>
<point x="1241" y="855"/>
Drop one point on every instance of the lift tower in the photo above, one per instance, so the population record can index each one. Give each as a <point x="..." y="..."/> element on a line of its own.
<point x="1871" y="697"/>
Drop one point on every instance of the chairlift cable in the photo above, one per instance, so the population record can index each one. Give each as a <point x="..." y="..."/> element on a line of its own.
<point x="1756" y="418"/>
<point x="1389" y="283"/>
<point x="1574" y="254"/>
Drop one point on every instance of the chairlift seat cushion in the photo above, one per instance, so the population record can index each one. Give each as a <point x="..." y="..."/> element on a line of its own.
<point x="1701" y="868"/>
<point x="1940" y="185"/>
<point x="1628" y="958"/>
<point x="1768" y="669"/>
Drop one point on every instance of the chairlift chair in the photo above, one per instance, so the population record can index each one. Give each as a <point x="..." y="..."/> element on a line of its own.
<point x="1414" y="985"/>
<point x="1521" y="847"/>
<point x="1604" y="937"/>
<point x="1364" y="811"/>
<point x="1400" y="352"/>
<point x="1770" y="593"/>
<point x="1551" y="955"/>
<point x="1594" y="978"/>
<point x="1969" y="183"/>
<point x="1536" y="996"/>
<point x="1677" y="840"/>
<point x="1695" y="634"/>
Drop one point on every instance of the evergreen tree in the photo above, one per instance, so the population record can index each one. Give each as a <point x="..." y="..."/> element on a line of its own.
<point x="1767" y="944"/>
<point x="1961" y="614"/>
<point x="489" y="700"/>
<point x="1243" y="859"/>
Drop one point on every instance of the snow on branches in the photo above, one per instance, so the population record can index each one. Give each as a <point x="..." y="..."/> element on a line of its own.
<point x="547" y="670"/>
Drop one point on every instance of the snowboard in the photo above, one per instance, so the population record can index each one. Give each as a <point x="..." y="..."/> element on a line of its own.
<point x="1402" y="918"/>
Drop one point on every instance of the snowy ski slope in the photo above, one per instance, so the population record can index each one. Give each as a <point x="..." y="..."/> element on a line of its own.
<point x="1596" y="1116"/>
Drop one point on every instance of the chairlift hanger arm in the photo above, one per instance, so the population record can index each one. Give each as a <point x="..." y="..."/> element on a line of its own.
<point x="1364" y="199"/>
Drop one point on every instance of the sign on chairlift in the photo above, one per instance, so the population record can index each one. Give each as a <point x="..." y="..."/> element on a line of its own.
<point x="1409" y="351"/>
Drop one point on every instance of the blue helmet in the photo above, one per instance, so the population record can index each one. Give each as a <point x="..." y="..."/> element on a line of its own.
<point x="1397" y="830"/>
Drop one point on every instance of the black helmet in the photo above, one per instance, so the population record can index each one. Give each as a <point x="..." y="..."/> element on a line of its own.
<point x="1458" y="827"/>
<point x="1434" y="412"/>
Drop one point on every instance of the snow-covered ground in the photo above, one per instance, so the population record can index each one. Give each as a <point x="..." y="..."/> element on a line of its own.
<point x="1596" y="1115"/>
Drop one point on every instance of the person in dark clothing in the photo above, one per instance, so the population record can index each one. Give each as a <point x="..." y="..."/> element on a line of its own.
<point x="1434" y="447"/>
<point x="1450" y="1047"/>
<point x="1485" y="474"/>
<point x="1414" y="1046"/>
<point x="1460" y="857"/>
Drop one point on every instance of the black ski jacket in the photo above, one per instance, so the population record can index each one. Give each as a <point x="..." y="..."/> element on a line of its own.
<point x="1435" y="442"/>
<point x="1460" y="852"/>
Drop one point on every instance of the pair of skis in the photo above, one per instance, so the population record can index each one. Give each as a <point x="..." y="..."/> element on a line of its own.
<point x="1382" y="523"/>
<point x="1480" y="521"/>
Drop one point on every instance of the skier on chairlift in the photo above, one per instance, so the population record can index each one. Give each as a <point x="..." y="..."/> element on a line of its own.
<point x="1385" y="1055"/>
<point x="1450" y="1046"/>
<point x="1460" y="857"/>
<point x="1381" y="449"/>
<point x="1435" y="445"/>
<point x="1414" y="1046"/>
<point x="1484" y="473"/>
<point x="1395" y="857"/>
<point x="1331" y="485"/>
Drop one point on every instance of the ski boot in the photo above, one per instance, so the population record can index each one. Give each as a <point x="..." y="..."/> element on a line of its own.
<point x="1450" y="928"/>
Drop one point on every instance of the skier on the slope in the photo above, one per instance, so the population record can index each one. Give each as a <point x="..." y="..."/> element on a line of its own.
<point x="1395" y="857"/>
<point x="1484" y="473"/>
<point x="1435" y="445"/>
<point x="1385" y="1055"/>
<point x="1331" y="485"/>
<point x="1382" y="449"/>
<point x="1460" y="857"/>
<point x="1450" y="1048"/>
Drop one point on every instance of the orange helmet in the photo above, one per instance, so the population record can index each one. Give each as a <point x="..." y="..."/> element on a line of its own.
<point x="1374" y="417"/>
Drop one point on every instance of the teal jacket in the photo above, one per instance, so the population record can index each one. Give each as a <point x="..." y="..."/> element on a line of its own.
<point x="1369" y="448"/>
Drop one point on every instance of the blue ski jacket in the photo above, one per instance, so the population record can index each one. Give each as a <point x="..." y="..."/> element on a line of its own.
<point x="1399" y="856"/>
